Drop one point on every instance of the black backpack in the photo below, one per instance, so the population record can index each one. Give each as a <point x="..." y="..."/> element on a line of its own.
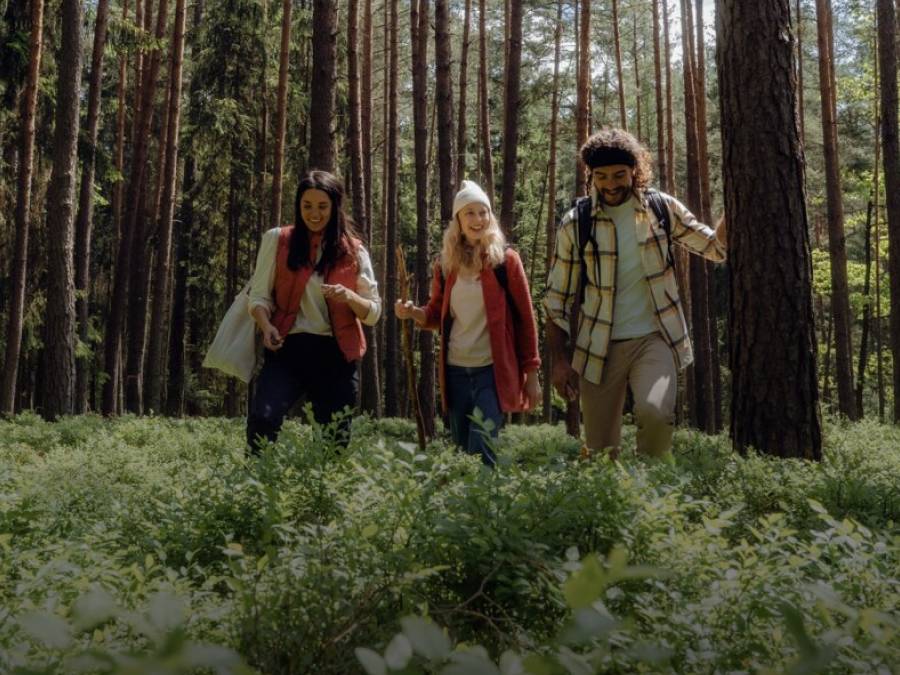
<point x="658" y="204"/>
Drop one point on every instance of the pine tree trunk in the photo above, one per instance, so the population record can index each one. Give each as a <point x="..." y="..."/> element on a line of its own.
<point x="321" y="95"/>
<point x="158" y="322"/>
<point x="867" y="316"/>
<point x="550" y="229"/>
<point x="23" y="212"/>
<point x="59" y="353"/>
<point x="391" y="357"/>
<point x="123" y="290"/>
<point x="583" y="94"/>
<point x="511" y="122"/>
<point x="800" y="90"/>
<point x="840" y="297"/>
<point x="463" y="81"/>
<point x="658" y="85"/>
<point x="84" y="220"/>
<point x="620" y="80"/>
<point x="637" y="79"/>
<point x="487" y="159"/>
<point x="887" y="59"/>
<point x="775" y="398"/>
<point x="669" y="181"/>
<point x="281" y="114"/>
<point x="419" y="40"/>
<point x="444" y="101"/>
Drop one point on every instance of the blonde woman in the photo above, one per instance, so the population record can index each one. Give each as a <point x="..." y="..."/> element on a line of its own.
<point x="481" y="305"/>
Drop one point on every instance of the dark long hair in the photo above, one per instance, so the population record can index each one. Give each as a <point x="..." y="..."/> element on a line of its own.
<point x="336" y="237"/>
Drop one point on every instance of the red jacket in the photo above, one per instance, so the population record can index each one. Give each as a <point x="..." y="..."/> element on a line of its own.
<point x="289" y="287"/>
<point x="513" y="334"/>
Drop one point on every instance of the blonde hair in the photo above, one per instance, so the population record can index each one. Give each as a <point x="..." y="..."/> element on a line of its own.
<point x="457" y="253"/>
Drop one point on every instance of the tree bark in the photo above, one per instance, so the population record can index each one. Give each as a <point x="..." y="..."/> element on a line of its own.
<point x="583" y="94"/>
<point x="511" y="122"/>
<point x="867" y="316"/>
<point x="890" y="145"/>
<point x="487" y="159"/>
<point x="158" y="318"/>
<point x="59" y="353"/>
<point x="391" y="357"/>
<point x="281" y="113"/>
<point x="418" y="19"/>
<point x="669" y="182"/>
<point x="321" y="95"/>
<point x="620" y="80"/>
<point x="84" y="220"/>
<point x="658" y="84"/>
<point x="775" y="398"/>
<point x="550" y="229"/>
<point x="444" y="101"/>
<point x="122" y="282"/>
<point x="840" y="296"/>
<point x="23" y="212"/>
<point x="463" y="81"/>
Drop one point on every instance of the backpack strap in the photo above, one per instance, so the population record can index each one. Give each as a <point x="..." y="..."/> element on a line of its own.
<point x="659" y="205"/>
<point x="583" y="208"/>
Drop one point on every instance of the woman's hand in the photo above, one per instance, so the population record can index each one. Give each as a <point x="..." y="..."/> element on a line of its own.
<point x="271" y="337"/>
<point x="532" y="390"/>
<point x="340" y="293"/>
<point x="407" y="310"/>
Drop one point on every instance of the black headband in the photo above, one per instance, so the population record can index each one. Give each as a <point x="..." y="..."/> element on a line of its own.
<point x="608" y="156"/>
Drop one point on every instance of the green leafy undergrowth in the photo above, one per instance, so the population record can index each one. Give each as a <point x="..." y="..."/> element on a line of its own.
<point x="317" y="558"/>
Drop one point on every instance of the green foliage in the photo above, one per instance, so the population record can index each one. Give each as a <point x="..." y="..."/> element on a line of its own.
<point x="154" y="545"/>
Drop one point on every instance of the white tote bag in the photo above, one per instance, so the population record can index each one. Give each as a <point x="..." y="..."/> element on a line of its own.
<point x="233" y="350"/>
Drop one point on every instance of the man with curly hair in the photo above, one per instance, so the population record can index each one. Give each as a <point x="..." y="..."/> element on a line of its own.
<point x="612" y="299"/>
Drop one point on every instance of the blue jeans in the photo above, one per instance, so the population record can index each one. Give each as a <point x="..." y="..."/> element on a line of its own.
<point x="468" y="389"/>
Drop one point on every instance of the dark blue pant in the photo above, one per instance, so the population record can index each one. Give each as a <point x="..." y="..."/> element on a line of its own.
<point x="468" y="389"/>
<point x="306" y="365"/>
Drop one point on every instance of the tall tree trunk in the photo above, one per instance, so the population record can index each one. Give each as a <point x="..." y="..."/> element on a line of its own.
<point x="840" y="297"/>
<point x="867" y="316"/>
<point x="658" y="84"/>
<point x="714" y="420"/>
<point x="119" y="188"/>
<point x="876" y="185"/>
<point x="887" y="59"/>
<point x="550" y="230"/>
<point x="583" y="94"/>
<point x="463" y="80"/>
<point x="669" y="182"/>
<point x="281" y="113"/>
<point x="23" y="212"/>
<point x="59" y="353"/>
<point x="487" y="159"/>
<point x="84" y="220"/>
<point x="637" y="78"/>
<point x="175" y="395"/>
<point x="321" y="95"/>
<point x="701" y="402"/>
<point x="800" y="90"/>
<point x="443" y="95"/>
<point x="511" y="122"/>
<point x="418" y="19"/>
<point x="620" y="80"/>
<point x="391" y="360"/>
<point x="122" y="288"/>
<point x="155" y="354"/>
<point x="775" y="398"/>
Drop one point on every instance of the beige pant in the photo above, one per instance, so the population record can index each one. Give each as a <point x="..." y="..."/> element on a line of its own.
<point x="648" y="365"/>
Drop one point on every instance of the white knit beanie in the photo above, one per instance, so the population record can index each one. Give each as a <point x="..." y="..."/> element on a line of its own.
<point x="469" y="192"/>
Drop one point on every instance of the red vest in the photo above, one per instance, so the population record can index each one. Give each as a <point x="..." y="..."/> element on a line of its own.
<point x="290" y="285"/>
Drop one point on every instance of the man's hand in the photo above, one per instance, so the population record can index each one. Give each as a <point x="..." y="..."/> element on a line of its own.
<point x="565" y="379"/>
<point x="722" y="233"/>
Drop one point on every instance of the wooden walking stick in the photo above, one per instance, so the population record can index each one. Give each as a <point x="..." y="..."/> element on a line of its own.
<point x="406" y="344"/>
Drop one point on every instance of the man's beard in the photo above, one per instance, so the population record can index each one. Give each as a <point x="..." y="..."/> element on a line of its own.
<point x="614" y="197"/>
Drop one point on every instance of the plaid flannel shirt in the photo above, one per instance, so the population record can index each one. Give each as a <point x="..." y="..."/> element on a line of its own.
<point x="600" y="256"/>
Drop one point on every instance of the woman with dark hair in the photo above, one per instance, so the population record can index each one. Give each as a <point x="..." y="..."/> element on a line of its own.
<point x="312" y="289"/>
